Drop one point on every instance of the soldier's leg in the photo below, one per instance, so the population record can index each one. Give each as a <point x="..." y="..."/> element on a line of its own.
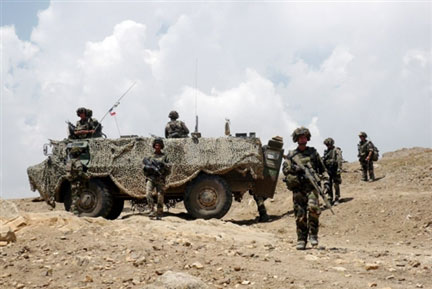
<point x="300" y="207"/>
<point x="337" y="181"/>
<point x="75" y="190"/>
<point x="160" y="203"/>
<point x="364" y="166"/>
<point x="330" y="192"/>
<point x="371" y="170"/>
<point x="149" y="195"/>
<point x="314" y="212"/>
<point x="263" y="217"/>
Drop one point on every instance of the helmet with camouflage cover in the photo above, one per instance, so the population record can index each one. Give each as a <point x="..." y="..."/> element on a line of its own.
<point x="173" y="114"/>
<point x="329" y="141"/>
<point x="89" y="113"/>
<point x="300" y="131"/>
<point x="362" y="133"/>
<point x="159" y="141"/>
<point x="81" y="110"/>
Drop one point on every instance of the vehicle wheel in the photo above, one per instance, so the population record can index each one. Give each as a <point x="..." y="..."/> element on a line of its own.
<point x="95" y="201"/>
<point x="117" y="208"/>
<point x="208" y="197"/>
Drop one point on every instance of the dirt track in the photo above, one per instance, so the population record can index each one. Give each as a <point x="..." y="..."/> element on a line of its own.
<point x="379" y="237"/>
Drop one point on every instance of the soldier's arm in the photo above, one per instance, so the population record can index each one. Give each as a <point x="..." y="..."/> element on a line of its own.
<point x="339" y="159"/>
<point x="185" y="127"/>
<point x="370" y="151"/>
<point x="166" y="131"/>
<point x="288" y="167"/>
<point x="321" y="169"/>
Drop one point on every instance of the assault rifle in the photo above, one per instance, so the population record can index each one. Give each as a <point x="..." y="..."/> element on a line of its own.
<point x="313" y="178"/>
<point x="71" y="129"/>
<point x="153" y="168"/>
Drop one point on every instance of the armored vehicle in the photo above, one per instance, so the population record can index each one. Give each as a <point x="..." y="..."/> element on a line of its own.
<point x="206" y="173"/>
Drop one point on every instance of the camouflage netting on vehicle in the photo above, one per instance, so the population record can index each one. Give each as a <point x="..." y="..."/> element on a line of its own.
<point x="121" y="160"/>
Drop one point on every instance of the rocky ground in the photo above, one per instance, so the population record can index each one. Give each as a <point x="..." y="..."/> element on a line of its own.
<point x="379" y="237"/>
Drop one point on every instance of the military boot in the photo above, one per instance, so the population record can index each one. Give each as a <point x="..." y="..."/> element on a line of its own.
<point x="313" y="240"/>
<point x="371" y="176"/>
<point x="263" y="217"/>
<point x="301" y="245"/>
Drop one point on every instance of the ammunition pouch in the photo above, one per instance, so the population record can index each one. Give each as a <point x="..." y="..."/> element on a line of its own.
<point x="293" y="182"/>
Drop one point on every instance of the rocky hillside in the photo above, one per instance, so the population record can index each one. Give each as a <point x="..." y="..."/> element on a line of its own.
<point x="379" y="237"/>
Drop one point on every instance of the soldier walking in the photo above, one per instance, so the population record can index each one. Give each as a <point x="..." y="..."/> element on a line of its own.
<point x="175" y="128"/>
<point x="77" y="177"/>
<point x="305" y="198"/>
<point x="365" y="153"/>
<point x="333" y="162"/>
<point x="156" y="169"/>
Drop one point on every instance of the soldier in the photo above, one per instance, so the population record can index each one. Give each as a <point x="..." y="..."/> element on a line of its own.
<point x="305" y="198"/>
<point x="333" y="162"/>
<point x="87" y="126"/>
<point x="365" y="153"/>
<point x="156" y="169"/>
<point x="175" y="128"/>
<point x="78" y="179"/>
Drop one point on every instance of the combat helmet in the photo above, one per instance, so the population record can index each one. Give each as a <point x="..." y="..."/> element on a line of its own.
<point x="89" y="113"/>
<point x="173" y="115"/>
<point x="300" y="131"/>
<point x="362" y="133"/>
<point x="159" y="141"/>
<point x="81" y="110"/>
<point x="329" y="141"/>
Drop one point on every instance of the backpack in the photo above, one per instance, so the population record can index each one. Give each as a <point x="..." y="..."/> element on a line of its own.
<point x="375" y="154"/>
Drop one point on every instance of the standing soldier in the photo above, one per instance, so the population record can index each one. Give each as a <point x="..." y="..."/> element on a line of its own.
<point x="333" y="162"/>
<point x="365" y="153"/>
<point x="175" y="128"/>
<point x="87" y="126"/>
<point x="305" y="197"/>
<point x="78" y="179"/>
<point x="156" y="169"/>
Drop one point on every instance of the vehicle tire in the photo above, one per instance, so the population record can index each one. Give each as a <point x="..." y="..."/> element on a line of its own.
<point x="95" y="201"/>
<point x="208" y="197"/>
<point x="117" y="208"/>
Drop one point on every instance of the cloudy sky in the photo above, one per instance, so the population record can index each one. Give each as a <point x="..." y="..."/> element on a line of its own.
<point x="335" y="67"/>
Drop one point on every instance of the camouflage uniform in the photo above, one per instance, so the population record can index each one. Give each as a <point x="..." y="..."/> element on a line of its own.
<point x="333" y="162"/>
<point x="87" y="123"/>
<point x="155" y="184"/>
<point x="263" y="217"/>
<point x="175" y="128"/>
<point x="78" y="179"/>
<point x="364" y="149"/>
<point x="306" y="203"/>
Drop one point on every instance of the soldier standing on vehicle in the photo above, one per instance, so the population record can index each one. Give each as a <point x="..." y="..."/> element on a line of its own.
<point x="305" y="198"/>
<point x="175" y="128"/>
<point x="156" y="169"/>
<point x="365" y="153"/>
<point x="333" y="162"/>
<point x="87" y="126"/>
<point x="78" y="179"/>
